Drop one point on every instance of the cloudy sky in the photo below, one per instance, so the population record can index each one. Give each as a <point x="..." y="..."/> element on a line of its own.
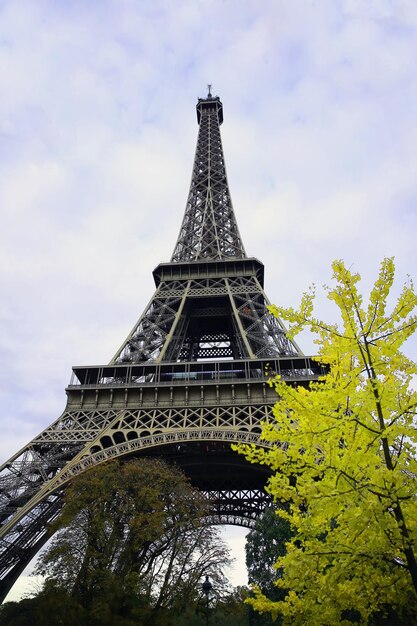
<point x="97" y="137"/>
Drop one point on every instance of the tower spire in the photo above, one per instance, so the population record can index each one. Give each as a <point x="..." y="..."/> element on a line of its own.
<point x="209" y="230"/>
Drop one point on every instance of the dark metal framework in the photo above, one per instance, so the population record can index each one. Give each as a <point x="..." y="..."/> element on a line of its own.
<point x="188" y="381"/>
<point x="209" y="228"/>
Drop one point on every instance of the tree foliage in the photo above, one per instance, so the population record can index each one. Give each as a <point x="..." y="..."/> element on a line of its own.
<point x="264" y="544"/>
<point x="227" y="609"/>
<point x="56" y="607"/>
<point x="131" y="545"/>
<point x="344" y="459"/>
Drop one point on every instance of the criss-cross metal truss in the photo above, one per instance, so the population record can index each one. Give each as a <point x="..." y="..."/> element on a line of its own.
<point x="209" y="228"/>
<point x="189" y="380"/>
<point x="215" y="309"/>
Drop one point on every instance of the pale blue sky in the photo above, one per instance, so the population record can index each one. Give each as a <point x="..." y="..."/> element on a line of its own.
<point x="97" y="136"/>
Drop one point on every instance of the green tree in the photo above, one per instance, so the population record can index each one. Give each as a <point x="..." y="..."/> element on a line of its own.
<point x="226" y="608"/>
<point x="131" y="544"/>
<point x="46" y="609"/>
<point x="264" y="544"/>
<point x="344" y="459"/>
<point x="56" y="607"/>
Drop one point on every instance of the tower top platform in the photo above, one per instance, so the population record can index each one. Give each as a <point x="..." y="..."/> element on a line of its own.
<point x="211" y="103"/>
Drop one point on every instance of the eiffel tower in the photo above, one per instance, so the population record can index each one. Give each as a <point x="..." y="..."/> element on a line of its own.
<point x="188" y="381"/>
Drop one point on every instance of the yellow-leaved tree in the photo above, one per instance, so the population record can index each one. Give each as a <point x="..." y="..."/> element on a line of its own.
<point x="343" y="457"/>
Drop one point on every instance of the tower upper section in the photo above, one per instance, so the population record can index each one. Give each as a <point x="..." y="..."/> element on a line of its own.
<point x="209" y="230"/>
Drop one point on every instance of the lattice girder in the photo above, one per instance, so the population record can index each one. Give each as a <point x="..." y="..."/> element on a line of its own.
<point x="168" y="329"/>
<point x="116" y="418"/>
<point x="209" y="229"/>
<point x="137" y="432"/>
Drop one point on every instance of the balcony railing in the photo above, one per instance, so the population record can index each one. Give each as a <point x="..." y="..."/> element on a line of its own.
<point x="180" y="373"/>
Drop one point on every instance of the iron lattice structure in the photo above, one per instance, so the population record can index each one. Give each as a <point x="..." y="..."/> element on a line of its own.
<point x="209" y="228"/>
<point x="188" y="381"/>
